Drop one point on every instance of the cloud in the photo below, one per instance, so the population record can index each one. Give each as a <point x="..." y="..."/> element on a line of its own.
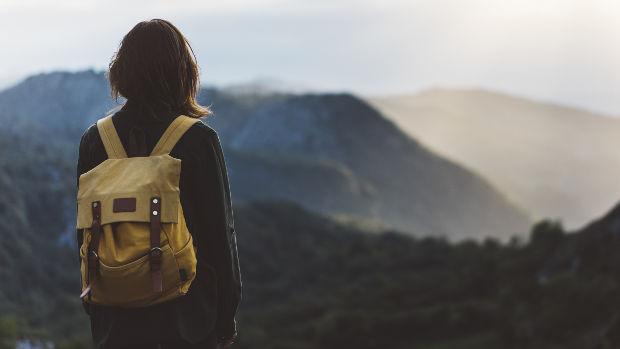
<point x="562" y="50"/>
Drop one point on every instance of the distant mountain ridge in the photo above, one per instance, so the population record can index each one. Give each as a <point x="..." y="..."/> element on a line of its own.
<point x="332" y="153"/>
<point x="397" y="172"/>
<point x="63" y="101"/>
<point x="557" y="161"/>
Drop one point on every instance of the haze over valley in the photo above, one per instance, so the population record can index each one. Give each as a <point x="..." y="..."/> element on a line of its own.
<point x="556" y="161"/>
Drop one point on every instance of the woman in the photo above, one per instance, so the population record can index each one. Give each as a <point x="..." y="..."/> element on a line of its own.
<point x="156" y="71"/>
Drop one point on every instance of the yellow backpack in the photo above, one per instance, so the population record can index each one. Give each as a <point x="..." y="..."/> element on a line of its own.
<point x="137" y="250"/>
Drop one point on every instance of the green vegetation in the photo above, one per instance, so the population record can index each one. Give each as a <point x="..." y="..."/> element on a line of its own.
<point x="310" y="282"/>
<point x="38" y="262"/>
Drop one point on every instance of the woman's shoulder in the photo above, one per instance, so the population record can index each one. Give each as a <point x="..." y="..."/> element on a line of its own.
<point x="91" y="133"/>
<point x="201" y="132"/>
<point x="201" y="127"/>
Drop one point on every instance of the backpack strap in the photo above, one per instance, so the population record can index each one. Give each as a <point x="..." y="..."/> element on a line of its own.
<point x="109" y="137"/>
<point x="93" y="250"/>
<point x="173" y="133"/>
<point x="156" y="253"/>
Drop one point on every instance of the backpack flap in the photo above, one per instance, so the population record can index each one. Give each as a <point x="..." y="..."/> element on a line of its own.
<point x="124" y="187"/>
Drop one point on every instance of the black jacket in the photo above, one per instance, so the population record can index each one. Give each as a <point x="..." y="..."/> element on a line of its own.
<point x="209" y="307"/>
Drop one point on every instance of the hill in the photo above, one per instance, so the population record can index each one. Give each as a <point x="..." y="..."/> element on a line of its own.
<point x="404" y="184"/>
<point x="556" y="161"/>
<point x="332" y="153"/>
<point x="63" y="103"/>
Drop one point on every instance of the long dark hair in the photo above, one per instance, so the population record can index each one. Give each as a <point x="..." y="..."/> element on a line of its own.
<point x="156" y="64"/>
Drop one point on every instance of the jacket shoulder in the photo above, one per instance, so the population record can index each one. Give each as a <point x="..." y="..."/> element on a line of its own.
<point x="202" y="127"/>
<point x="91" y="133"/>
<point x="201" y="132"/>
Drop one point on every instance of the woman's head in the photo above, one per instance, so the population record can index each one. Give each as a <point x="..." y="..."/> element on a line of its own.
<point x="156" y="64"/>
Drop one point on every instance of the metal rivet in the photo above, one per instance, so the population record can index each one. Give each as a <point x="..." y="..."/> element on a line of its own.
<point x="154" y="213"/>
<point x="154" y="201"/>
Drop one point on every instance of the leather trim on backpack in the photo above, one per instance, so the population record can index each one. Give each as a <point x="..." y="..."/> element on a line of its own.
<point x="155" y="254"/>
<point x="93" y="248"/>
<point x="124" y="205"/>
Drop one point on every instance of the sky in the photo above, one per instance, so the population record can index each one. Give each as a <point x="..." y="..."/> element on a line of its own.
<point x="562" y="51"/>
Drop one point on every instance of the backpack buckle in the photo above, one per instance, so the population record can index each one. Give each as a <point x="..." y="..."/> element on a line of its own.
<point x="156" y="252"/>
<point x="93" y="260"/>
<point x="155" y="256"/>
<point x="155" y="259"/>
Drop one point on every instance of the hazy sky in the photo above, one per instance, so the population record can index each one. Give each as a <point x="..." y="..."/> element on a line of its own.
<point x="566" y="51"/>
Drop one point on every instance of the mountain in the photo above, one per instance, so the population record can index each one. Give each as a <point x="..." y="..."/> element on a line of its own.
<point x="62" y="102"/>
<point x="404" y="183"/>
<point x="556" y="161"/>
<point x="332" y="153"/>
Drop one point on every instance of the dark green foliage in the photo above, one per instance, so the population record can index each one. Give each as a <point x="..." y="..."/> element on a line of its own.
<point x="38" y="274"/>
<point x="11" y="328"/>
<point x="310" y="282"/>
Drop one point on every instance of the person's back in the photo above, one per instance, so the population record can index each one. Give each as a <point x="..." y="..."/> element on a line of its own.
<point x="155" y="70"/>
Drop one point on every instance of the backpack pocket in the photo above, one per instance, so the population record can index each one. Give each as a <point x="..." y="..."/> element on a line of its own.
<point x="186" y="265"/>
<point x="131" y="285"/>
